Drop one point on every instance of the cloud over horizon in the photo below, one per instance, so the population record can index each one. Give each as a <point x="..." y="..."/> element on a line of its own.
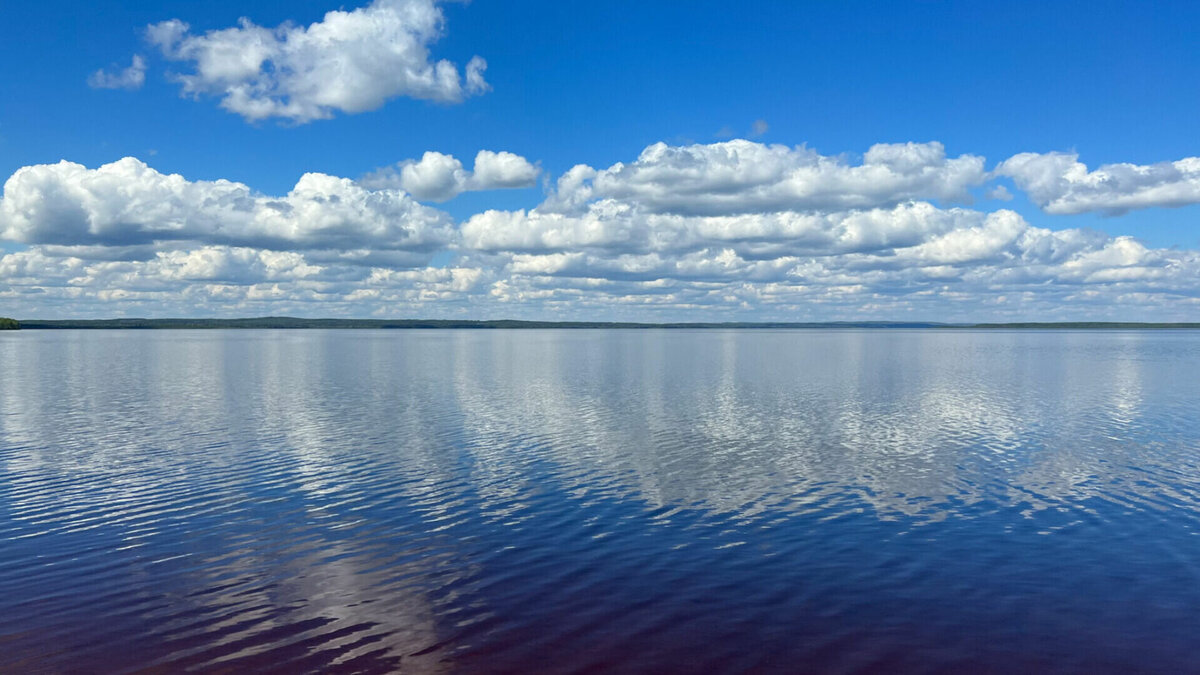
<point x="728" y="230"/>
<point x="128" y="203"/>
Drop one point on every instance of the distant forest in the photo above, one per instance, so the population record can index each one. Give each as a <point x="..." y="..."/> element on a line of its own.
<point x="297" y="323"/>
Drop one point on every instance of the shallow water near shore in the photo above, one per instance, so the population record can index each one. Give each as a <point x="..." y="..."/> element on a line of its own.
<point x="605" y="500"/>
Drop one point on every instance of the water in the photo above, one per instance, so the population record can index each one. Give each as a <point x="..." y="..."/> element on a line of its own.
<point x="617" y="501"/>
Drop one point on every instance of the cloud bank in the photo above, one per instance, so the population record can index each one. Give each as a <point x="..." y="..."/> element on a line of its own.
<point x="727" y="231"/>
<point x="351" y="62"/>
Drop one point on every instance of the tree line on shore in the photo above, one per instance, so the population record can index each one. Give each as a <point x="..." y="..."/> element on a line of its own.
<point x="294" y="322"/>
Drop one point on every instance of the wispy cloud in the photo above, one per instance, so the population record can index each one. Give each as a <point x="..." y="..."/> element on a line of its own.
<point x="129" y="78"/>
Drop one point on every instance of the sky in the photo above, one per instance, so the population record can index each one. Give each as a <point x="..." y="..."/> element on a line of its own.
<point x="622" y="160"/>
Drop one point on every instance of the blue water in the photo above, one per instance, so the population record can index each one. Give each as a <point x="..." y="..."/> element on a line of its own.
<point x="607" y="501"/>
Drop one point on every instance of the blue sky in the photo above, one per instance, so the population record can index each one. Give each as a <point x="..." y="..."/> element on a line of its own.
<point x="596" y="84"/>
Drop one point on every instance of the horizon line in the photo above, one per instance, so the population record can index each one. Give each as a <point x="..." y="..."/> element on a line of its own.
<point x="300" y="323"/>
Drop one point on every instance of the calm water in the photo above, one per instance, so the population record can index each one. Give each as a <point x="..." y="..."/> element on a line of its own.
<point x="564" y="501"/>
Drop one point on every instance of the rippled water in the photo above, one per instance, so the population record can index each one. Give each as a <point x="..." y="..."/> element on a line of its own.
<point x="713" y="501"/>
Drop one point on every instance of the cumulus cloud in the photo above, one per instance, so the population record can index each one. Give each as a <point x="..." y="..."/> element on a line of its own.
<point x="914" y="246"/>
<point x="741" y="176"/>
<point x="1060" y="184"/>
<point x="132" y="77"/>
<point x="223" y="279"/>
<point x="613" y="244"/>
<point x="615" y="226"/>
<point x="757" y="242"/>
<point x="351" y="61"/>
<point x="439" y="177"/>
<point x="128" y="204"/>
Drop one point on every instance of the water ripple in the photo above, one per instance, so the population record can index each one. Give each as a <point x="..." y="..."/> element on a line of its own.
<point x="617" y="501"/>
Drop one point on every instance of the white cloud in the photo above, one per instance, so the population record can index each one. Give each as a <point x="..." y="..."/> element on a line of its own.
<point x="862" y="248"/>
<point x="608" y="244"/>
<point x="987" y="240"/>
<point x="132" y="77"/>
<point x="741" y="176"/>
<point x="351" y="61"/>
<point x="759" y="128"/>
<point x="495" y="170"/>
<point x="624" y="236"/>
<point x="220" y="279"/>
<point x="1060" y="184"/>
<point x="439" y="177"/>
<point x="999" y="193"/>
<point x="613" y="225"/>
<point x="436" y="177"/>
<point x="127" y="203"/>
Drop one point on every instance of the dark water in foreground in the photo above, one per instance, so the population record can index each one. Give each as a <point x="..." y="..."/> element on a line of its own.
<point x="712" y="501"/>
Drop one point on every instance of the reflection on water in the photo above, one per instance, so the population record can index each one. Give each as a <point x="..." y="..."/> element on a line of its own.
<point x="430" y="501"/>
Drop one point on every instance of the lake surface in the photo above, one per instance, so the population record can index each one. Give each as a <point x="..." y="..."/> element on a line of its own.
<point x="599" y="500"/>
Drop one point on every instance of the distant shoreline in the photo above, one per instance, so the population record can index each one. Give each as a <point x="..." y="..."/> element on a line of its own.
<point x="298" y="323"/>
